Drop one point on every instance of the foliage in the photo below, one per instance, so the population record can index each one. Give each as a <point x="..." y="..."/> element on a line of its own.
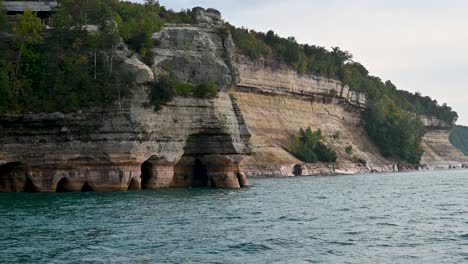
<point x="3" y="17"/>
<point x="68" y="68"/>
<point x="459" y="138"/>
<point x="335" y="136"/>
<point x="396" y="132"/>
<point x="206" y="89"/>
<point x="162" y="91"/>
<point x="248" y="42"/>
<point x="137" y="23"/>
<point x="349" y="150"/>
<point x="308" y="147"/>
<point x="167" y="87"/>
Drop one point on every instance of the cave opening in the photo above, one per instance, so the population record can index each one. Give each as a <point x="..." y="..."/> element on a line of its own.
<point x="134" y="185"/>
<point x="200" y="174"/>
<point x="86" y="188"/>
<point x="29" y="186"/>
<point x="61" y="185"/>
<point x="297" y="170"/>
<point x="146" y="174"/>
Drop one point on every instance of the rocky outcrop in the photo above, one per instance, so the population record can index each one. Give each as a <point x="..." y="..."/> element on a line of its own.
<point x="109" y="150"/>
<point x="189" y="142"/>
<point x="272" y="117"/>
<point x="439" y="153"/>
<point x="274" y="78"/>
<point x="432" y="123"/>
<point x="276" y="102"/>
<point x="196" y="53"/>
<point x="130" y="68"/>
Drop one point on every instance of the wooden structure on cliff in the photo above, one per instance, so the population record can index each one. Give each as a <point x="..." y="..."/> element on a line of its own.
<point x="44" y="9"/>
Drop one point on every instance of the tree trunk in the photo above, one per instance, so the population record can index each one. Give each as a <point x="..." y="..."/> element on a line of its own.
<point x="95" y="65"/>
<point x="18" y="63"/>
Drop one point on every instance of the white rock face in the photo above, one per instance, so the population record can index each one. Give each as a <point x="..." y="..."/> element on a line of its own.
<point x="131" y="68"/>
<point x="196" y="53"/>
<point x="434" y="122"/>
<point x="280" y="78"/>
<point x="439" y="153"/>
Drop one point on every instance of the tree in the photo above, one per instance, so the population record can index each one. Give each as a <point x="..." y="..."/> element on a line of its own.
<point x="27" y="31"/>
<point x="308" y="147"/>
<point x="3" y="17"/>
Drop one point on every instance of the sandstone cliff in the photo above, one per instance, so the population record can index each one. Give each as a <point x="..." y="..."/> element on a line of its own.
<point x="189" y="142"/>
<point x="276" y="102"/>
<point x="198" y="142"/>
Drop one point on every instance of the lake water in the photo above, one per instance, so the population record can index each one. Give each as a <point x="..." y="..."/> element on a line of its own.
<point x="381" y="218"/>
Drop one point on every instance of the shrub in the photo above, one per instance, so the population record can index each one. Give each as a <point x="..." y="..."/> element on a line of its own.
<point x="349" y="150"/>
<point x="206" y="89"/>
<point x="167" y="87"/>
<point x="308" y="147"/>
<point x="162" y="92"/>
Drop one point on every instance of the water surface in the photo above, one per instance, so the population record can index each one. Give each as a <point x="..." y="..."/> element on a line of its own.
<point x="381" y="218"/>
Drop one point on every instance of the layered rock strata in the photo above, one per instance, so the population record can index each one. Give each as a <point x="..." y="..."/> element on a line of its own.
<point x="216" y="142"/>
<point x="439" y="153"/>
<point x="276" y="102"/>
<point x="189" y="142"/>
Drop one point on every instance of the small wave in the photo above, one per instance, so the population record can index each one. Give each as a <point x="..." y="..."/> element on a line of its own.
<point x="281" y="241"/>
<point x="464" y="236"/>
<point x="386" y="224"/>
<point x="341" y="243"/>
<point x="250" y="247"/>
<point x="352" y="233"/>
<point x="343" y="210"/>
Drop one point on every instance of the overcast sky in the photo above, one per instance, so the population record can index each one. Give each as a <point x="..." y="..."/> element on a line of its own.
<point x="420" y="45"/>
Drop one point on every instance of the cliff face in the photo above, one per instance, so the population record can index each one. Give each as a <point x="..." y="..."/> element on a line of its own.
<point x="189" y="142"/>
<point x="439" y="153"/>
<point x="110" y="150"/>
<point x="276" y="102"/>
<point x="198" y="142"/>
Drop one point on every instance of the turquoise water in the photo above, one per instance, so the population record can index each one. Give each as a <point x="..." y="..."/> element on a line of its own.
<point x="382" y="218"/>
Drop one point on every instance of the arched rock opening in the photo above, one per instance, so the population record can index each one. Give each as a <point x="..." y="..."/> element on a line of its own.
<point x="87" y="188"/>
<point x="29" y="186"/>
<point x="297" y="170"/>
<point x="13" y="177"/>
<point x="200" y="175"/>
<point x="134" y="185"/>
<point x="62" y="185"/>
<point x="146" y="174"/>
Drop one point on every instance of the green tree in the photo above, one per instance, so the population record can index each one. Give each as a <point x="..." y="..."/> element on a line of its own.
<point x="3" y="17"/>
<point x="27" y="31"/>
<point x="206" y="89"/>
<point x="308" y="147"/>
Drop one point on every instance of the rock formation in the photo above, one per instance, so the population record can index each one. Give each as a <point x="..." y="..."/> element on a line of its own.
<point x="189" y="142"/>
<point x="217" y="142"/>
<point x="276" y="102"/>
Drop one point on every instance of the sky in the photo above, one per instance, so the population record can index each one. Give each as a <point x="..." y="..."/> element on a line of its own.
<point x="420" y="45"/>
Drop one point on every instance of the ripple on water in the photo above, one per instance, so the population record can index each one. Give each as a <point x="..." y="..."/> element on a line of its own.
<point x="250" y="247"/>
<point x="390" y="218"/>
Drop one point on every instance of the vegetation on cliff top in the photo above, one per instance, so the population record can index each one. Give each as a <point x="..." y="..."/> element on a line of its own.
<point x="71" y="66"/>
<point x="459" y="138"/>
<point x="308" y="146"/>
<point x="167" y="87"/>
<point x="390" y="119"/>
